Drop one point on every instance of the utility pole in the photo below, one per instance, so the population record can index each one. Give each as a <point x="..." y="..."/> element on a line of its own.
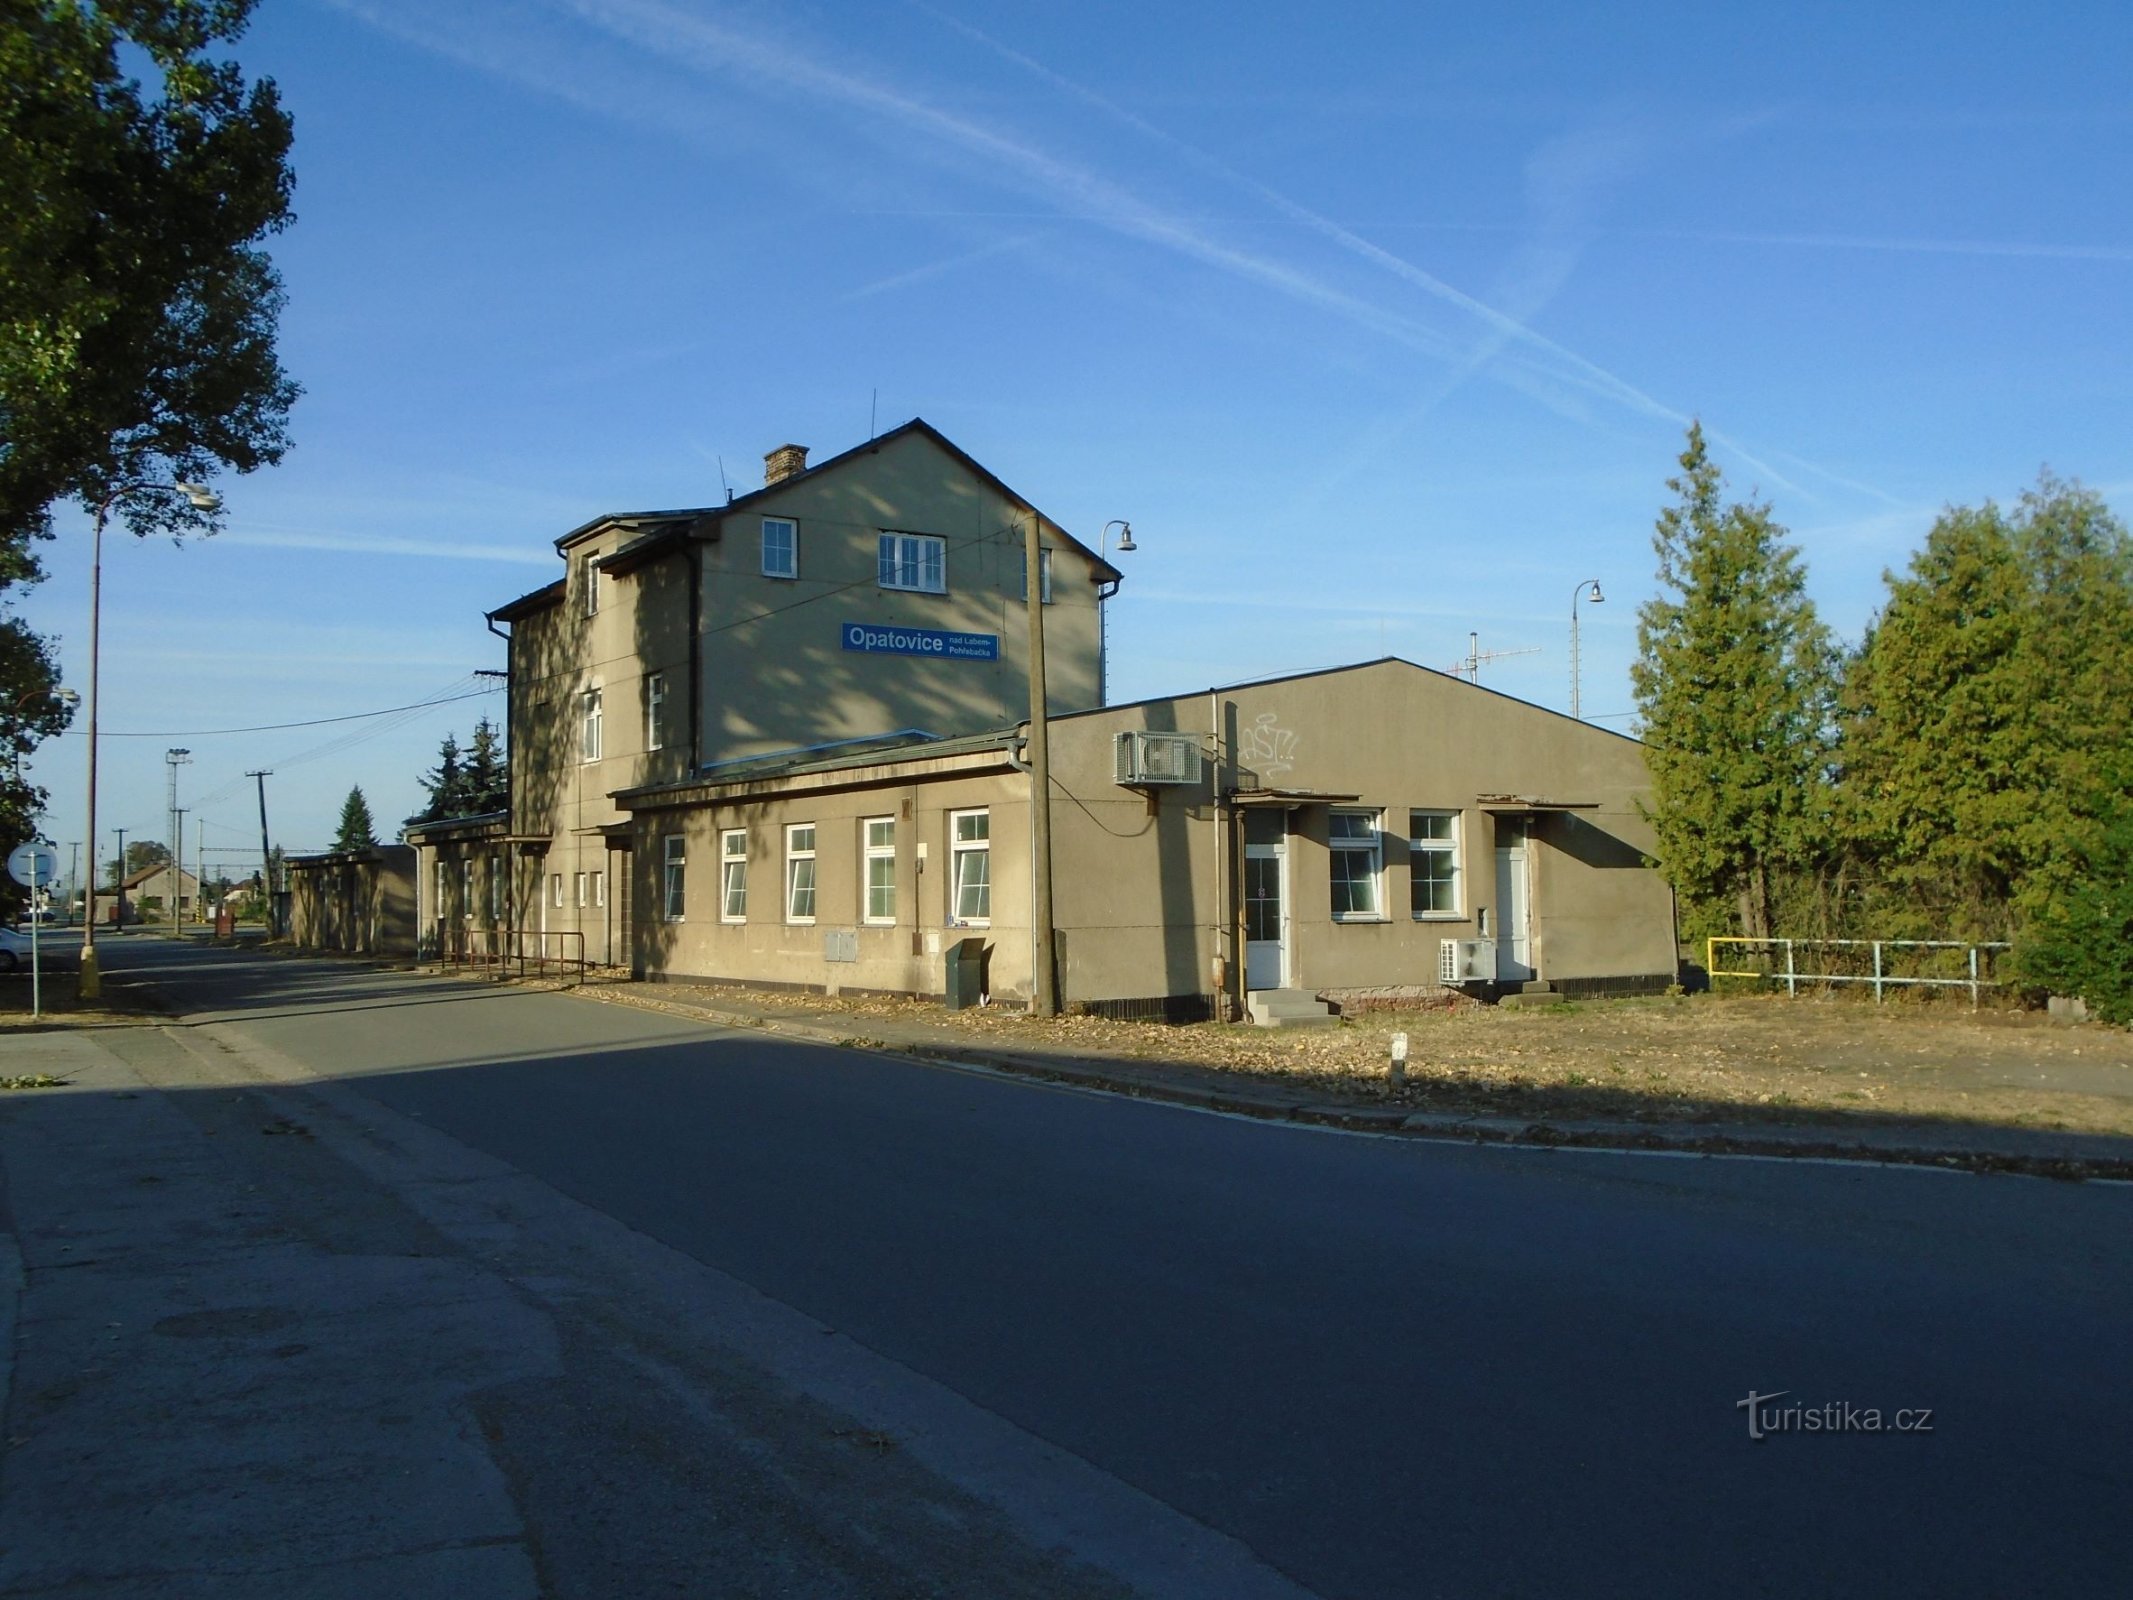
<point x="120" y="876"/>
<point x="74" y="870"/>
<point x="266" y="856"/>
<point x="1044" y="982"/>
<point x="174" y="869"/>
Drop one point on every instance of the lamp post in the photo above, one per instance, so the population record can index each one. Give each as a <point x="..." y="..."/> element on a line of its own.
<point x="1103" y="611"/>
<point x="1588" y="590"/>
<point x="92" y="983"/>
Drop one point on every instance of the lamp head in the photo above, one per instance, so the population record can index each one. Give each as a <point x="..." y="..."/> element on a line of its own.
<point x="1593" y="595"/>
<point x="202" y="497"/>
<point x="1125" y="535"/>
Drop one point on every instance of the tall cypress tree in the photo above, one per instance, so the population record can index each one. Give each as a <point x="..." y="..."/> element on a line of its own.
<point x="1733" y="683"/>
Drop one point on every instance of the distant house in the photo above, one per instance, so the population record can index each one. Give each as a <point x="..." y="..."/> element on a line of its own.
<point x="147" y="893"/>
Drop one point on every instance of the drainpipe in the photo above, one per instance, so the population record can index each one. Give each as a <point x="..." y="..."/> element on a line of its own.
<point x="1022" y="764"/>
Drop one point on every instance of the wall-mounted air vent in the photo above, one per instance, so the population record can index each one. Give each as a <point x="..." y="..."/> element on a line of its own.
<point x="1145" y="758"/>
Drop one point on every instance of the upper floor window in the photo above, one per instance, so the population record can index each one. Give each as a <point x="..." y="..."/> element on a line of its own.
<point x="1357" y="861"/>
<point x="781" y="547"/>
<point x="591" y="586"/>
<point x="589" y="726"/>
<point x="1044" y="575"/>
<point x="914" y="561"/>
<point x="1433" y="859"/>
<point x="655" y="711"/>
<point x="800" y="872"/>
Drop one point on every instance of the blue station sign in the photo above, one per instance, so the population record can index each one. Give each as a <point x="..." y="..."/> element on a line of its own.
<point x="880" y="638"/>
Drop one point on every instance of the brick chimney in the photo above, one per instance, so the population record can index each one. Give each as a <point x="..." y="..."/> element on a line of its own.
<point x="783" y="462"/>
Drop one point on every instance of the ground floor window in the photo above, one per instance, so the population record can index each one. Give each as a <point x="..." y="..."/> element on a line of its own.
<point x="970" y="877"/>
<point x="674" y="863"/>
<point x="599" y="888"/>
<point x="1356" y="863"/>
<point x="800" y="872"/>
<point x="881" y="869"/>
<point x="1433" y="862"/>
<point x="733" y="875"/>
<point x="555" y="889"/>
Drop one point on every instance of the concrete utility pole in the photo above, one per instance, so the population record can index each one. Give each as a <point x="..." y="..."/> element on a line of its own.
<point x="174" y="759"/>
<point x="174" y="868"/>
<point x="119" y="876"/>
<point x="266" y="856"/>
<point x="1044" y="982"/>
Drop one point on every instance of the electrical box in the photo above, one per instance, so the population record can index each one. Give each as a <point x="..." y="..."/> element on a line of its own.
<point x="1147" y="758"/>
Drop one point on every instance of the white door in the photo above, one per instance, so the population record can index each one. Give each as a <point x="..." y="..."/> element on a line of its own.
<point x="1514" y="949"/>
<point x="1266" y="916"/>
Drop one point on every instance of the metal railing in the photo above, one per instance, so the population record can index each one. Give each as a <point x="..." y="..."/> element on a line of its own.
<point x="511" y="952"/>
<point x="1781" y="963"/>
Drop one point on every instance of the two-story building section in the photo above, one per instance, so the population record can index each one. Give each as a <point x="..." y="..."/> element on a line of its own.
<point x="877" y="597"/>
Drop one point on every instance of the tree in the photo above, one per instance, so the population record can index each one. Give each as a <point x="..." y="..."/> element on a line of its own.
<point x="356" y="831"/>
<point x="137" y="313"/>
<point x="447" y="784"/>
<point x="1986" y="716"/>
<point x="28" y="713"/>
<point x="142" y="853"/>
<point x="2080" y="942"/>
<point x="1733" y="682"/>
<point x="488" y="774"/>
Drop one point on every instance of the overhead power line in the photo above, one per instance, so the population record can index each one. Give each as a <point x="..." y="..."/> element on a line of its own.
<point x="309" y="722"/>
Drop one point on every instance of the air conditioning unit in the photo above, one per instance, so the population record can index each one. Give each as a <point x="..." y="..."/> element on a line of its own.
<point x="1466" y="961"/>
<point x="1146" y="758"/>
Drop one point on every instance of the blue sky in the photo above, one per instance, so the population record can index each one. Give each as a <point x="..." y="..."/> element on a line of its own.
<point x="1381" y="324"/>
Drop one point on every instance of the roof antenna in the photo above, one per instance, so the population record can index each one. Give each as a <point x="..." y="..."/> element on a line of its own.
<point x="722" y="483"/>
<point x="873" y="411"/>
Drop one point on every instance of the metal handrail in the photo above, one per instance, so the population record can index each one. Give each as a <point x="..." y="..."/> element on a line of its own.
<point x="511" y="952"/>
<point x="1880" y="977"/>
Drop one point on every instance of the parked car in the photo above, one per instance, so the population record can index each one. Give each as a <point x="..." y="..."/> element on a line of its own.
<point x="14" y="949"/>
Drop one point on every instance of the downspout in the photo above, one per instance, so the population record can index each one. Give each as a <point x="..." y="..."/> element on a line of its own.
<point x="510" y="746"/>
<point x="1020" y="763"/>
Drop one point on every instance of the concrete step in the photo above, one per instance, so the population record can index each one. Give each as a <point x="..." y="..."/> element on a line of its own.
<point x="1537" y="992"/>
<point x="1287" y="1008"/>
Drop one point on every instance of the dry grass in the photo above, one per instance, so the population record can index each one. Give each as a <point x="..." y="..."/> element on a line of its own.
<point x="1749" y="1059"/>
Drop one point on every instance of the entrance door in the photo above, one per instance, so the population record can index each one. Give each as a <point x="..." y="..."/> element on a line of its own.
<point x="1514" y="947"/>
<point x="1266" y="915"/>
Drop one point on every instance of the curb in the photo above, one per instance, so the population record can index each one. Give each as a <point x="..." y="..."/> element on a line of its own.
<point x="1700" y="1140"/>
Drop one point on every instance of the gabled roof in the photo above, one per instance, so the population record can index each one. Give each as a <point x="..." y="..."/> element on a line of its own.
<point x="660" y="521"/>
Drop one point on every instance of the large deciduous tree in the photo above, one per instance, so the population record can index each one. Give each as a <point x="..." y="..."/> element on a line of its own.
<point x="1733" y="681"/>
<point x="137" y="310"/>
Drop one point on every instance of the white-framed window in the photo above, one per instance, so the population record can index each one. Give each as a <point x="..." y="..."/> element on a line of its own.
<point x="733" y="875"/>
<point x="589" y="725"/>
<point x="880" y="853"/>
<point x="1044" y="574"/>
<point x="655" y="711"/>
<point x="592" y="582"/>
<point x="1356" y="862"/>
<point x="466" y="887"/>
<point x="781" y="547"/>
<point x="1433" y="862"/>
<point x="584" y="890"/>
<point x="599" y="881"/>
<point x="674" y="876"/>
<point x="499" y="881"/>
<point x="914" y="561"/>
<point x="970" y="866"/>
<point x="800" y="872"/>
<point x="444" y="886"/>
<point x="555" y="889"/>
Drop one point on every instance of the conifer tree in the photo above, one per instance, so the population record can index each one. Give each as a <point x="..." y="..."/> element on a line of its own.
<point x="447" y="784"/>
<point x="1733" y="684"/>
<point x="356" y="832"/>
<point x="488" y="777"/>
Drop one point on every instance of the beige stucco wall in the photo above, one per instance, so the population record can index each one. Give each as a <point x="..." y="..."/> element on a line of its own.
<point x="907" y="956"/>
<point x="1143" y="901"/>
<point x="354" y="903"/>
<point x="785" y="680"/>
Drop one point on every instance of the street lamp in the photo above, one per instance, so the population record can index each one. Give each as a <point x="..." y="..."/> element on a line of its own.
<point x="1103" y="610"/>
<point x="1588" y="590"/>
<point x="92" y="983"/>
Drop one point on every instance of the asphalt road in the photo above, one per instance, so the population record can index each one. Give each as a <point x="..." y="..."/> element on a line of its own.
<point x="1388" y="1368"/>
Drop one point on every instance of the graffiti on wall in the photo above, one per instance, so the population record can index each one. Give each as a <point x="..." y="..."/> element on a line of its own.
<point x="1266" y="748"/>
